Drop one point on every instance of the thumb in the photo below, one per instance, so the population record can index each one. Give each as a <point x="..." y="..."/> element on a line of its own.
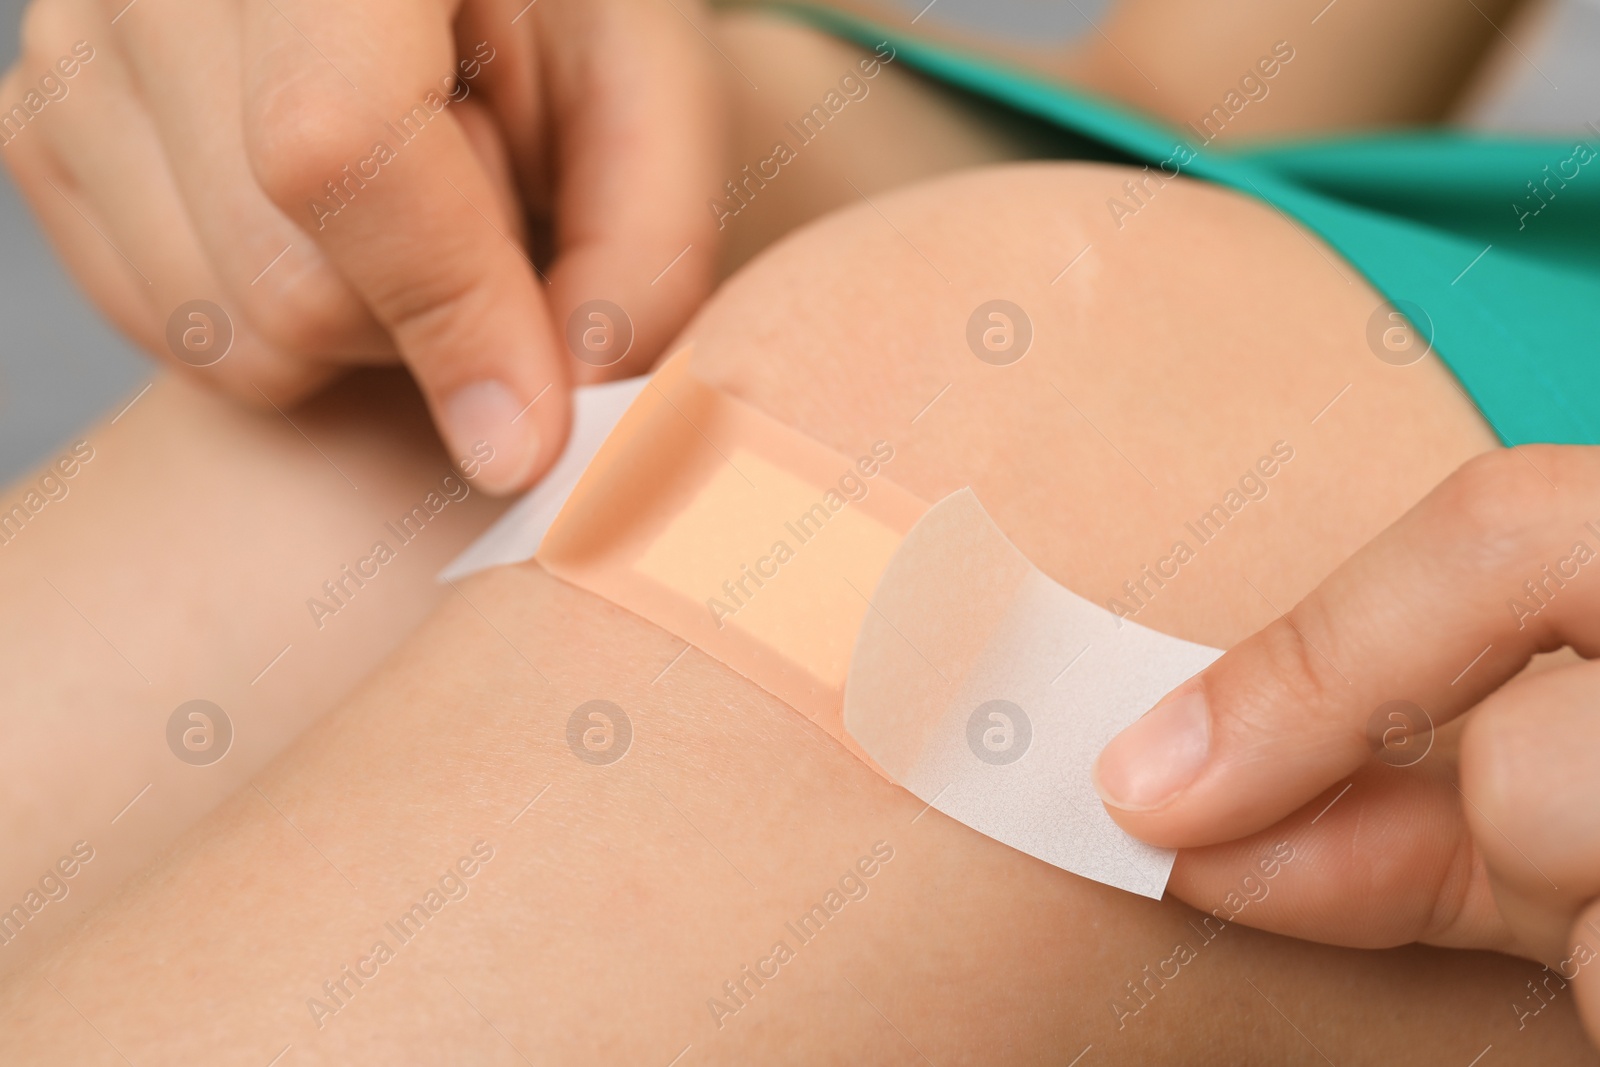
<point x="351" y="132"/>
<point x="1413" y="630"/>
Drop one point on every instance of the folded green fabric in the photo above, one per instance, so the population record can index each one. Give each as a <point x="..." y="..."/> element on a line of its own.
<point x="1490" y="244"/>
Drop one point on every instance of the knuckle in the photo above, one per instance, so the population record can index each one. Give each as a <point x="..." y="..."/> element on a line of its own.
<point x="1455" y="875"/>
<point x="269" y="380"/>
<point x="295" y="144"/>
<point x="47" y="32"/>
<point x="1288" y="667"/>
<point x="1493" y="758"/>
<point x="430" y="312"/>
<point x="1497" y="504"/>
<point x="314" y="311"/>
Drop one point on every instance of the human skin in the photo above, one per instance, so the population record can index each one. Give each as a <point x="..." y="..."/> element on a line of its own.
<point x="179" y="566"/>
<point x="178" y="464"/>
<point x="183" y="154"/>
<point x="1495" y="845"/>
<point x="619" y="898"/>
<point x="1357" y="64"/>
<point x="1378" y="65"/>
<point x="942" y="136"/>
<point x="357" y="182"/>
<point x="236" y="518"/>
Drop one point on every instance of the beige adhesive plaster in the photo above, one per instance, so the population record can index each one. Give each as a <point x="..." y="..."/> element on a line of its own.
<point x="743" y="536"/>
<point x="919" y="637"/>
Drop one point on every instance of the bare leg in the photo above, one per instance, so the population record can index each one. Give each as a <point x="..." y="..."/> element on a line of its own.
<point x="179" y="566"/>
<point x="1355" y="63"/>
<point x="607" y="906"/>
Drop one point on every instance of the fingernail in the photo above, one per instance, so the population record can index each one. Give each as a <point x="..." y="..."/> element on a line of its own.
<point x="1153" y="760"/>
<point x="486" y="418"/>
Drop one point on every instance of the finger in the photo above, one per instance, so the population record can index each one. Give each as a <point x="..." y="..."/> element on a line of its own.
<point x="385" y="180"/>
<point x="500" y="71"/>
<point x="1436" y="612"/>
<point x="1382" y="859"/>
<point x="277" y="278"/>
<point x="108" y="182"/>
<point x="638" y="148"/>
<point x="1586" y="932"/>
<point x="121" y="295"/>
<point x="1532" y="801"/>
<point x="478" y="124"/>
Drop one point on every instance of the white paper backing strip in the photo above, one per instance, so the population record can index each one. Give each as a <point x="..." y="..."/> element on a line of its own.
<point x="987" y="689"/>
<point x="515" y="536"/>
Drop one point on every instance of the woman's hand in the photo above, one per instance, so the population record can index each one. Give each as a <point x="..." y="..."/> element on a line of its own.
<point x="1315" y="732"/>
<point x="268" y="189"/>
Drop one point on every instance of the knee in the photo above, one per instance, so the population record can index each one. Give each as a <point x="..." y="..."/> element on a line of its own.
<point x="1096" y="385"/>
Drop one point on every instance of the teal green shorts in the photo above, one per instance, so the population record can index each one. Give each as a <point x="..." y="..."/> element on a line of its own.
<point x="1490" y="245"/>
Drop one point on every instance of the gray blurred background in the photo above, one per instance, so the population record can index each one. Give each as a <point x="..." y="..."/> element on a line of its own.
<point x="61" y="365"/>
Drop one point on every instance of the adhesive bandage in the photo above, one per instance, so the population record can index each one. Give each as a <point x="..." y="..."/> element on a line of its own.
<point x="738" y="533"/>
<point x="515" y="536"/>
<point x="919" y="637"/>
